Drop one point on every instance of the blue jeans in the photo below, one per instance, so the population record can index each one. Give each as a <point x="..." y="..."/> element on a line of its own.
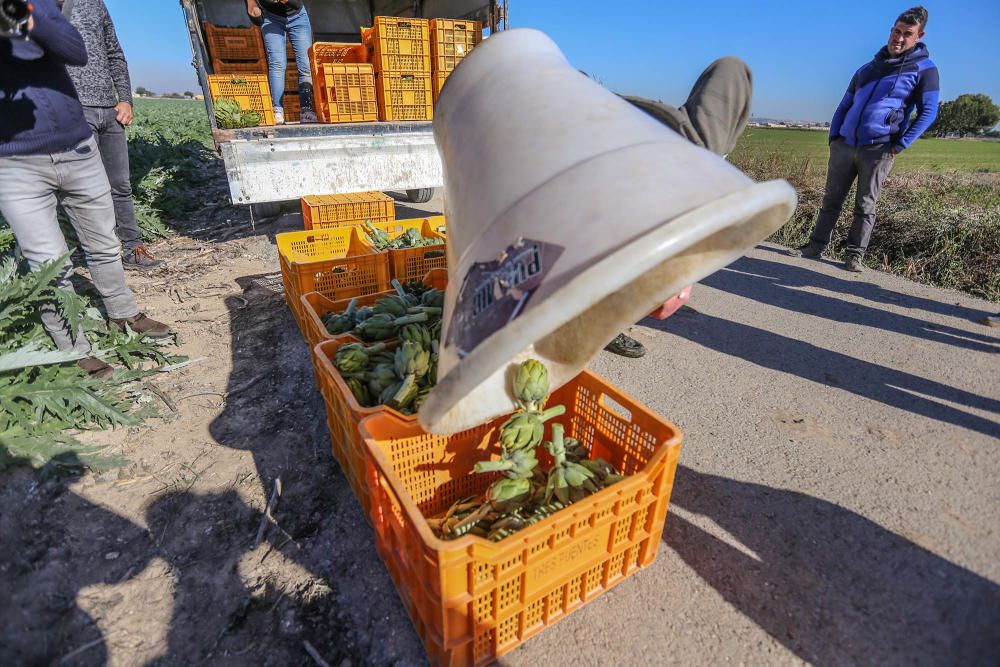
<point x="299" y="30"/>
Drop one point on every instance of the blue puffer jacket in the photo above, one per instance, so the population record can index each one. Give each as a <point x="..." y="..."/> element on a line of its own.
<point x="879" y="103"/>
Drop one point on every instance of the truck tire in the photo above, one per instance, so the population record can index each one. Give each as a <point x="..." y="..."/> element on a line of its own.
<point x="421" y="196"/>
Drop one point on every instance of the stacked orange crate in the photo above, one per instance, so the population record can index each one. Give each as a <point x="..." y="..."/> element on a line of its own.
<point x="229" y="45"/>
<point x="349" y="91"/>
<point x="451" y="41"/>
<point x="400" y="49"/>
<point x="331" y="53"/>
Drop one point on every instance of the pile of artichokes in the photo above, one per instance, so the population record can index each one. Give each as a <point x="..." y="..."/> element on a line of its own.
<point x="411" y="238"/>
<point x="525" y="493"/>
<point x="387" y="317"/>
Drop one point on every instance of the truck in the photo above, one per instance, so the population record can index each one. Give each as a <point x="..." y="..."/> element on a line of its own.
<point x="286" y="162"/>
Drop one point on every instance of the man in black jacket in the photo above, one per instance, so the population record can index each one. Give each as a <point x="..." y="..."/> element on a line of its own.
<point x="105" y="91"/>
<point x="48" y="155"/>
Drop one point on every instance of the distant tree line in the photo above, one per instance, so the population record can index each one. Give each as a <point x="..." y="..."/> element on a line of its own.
<point x="142" y="91"/>
<point x="966" y="115"/>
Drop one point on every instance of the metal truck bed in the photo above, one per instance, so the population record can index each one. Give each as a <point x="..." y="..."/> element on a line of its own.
<point x="266" y="164"/>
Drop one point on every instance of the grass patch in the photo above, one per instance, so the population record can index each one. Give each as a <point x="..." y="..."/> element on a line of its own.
<point x="939" y="227"/>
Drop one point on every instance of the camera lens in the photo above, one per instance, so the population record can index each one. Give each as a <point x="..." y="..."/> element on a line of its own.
<point x="15" y="10"/>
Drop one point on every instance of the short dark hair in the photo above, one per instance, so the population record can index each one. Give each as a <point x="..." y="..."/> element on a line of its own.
<point x="913" y="16"/>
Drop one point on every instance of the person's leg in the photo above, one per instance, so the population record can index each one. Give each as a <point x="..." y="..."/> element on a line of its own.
<point x="300" y="34"/>
<point x="873" y="164"/>
<point x="28" y="204"/>
<point x="113" y="145"/>
<point x="717" y="110"/>
<point x="273" y="29"/>
<point x="86" y="196"/>
<point x="840" y="174"/>
<point x="718" y="107"/>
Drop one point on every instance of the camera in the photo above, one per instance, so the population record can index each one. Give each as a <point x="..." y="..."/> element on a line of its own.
<point x="14" y="15"/>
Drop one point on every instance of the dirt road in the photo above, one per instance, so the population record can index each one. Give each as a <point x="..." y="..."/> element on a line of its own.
<point x="836" y="501"/>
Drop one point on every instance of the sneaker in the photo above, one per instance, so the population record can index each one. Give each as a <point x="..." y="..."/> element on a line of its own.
<point x="279" y="116"/>
<point x="854" y="264"/>
<point x="141" y="259"/>
<point x="993" y="321"/>
<point x="809" y="251"/>
<point x="308" y="116"/>
<point x="626" y="347"/>
<point x="96" y="368"/>
<point x="144" y="325"/>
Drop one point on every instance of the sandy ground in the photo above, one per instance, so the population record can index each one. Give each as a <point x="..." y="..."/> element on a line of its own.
<point x="836" y="501"/>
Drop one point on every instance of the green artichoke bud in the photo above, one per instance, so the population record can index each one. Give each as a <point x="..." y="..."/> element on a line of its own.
<point x="521" y="431"/>
<point x="377" y="327"/>
<point x="392" y="305"/>
<point x="418" y="334"/>
<point x="506" y="494"/>
<point x="351" y="360"/>
<point x="433" y="298"/>
<point x="412" y="359"/>
<point x="360" y="392"/>
<point x="531" y="385"/>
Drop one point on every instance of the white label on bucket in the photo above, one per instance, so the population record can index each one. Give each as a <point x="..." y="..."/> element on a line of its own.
<point x="493" y="294"/>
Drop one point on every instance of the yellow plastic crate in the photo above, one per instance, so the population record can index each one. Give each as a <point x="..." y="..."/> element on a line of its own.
<point x="404" y="96"/>
<point x="337" y="263"/>
<point x="399" y="44"/>
<point x="328" y="211"/>
<point x="249" y="90"/>
<point x="451" y="41"/>
<point x="408" y="264"/>
<point x="349" y="93"/>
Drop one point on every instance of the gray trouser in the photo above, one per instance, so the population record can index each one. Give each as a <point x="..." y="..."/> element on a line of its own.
<point x="30" y="186"/>
<point x="113" y="145"/>
<point x="870" y="165"/>
<point x="716" y="111"/>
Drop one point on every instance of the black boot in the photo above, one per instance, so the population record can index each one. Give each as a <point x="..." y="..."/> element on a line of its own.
<point x="307" y="113"/>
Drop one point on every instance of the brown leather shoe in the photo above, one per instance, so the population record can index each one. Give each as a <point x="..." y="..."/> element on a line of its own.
<point x="96" y="368"/>
<point x="144" y="325"/>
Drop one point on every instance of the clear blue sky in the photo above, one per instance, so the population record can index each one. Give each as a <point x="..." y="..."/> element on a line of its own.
<point x="802" y="53"/>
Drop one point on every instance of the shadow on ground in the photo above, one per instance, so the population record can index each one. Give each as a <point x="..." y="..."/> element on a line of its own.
<point x="859" y="287"/>
<point x="899" y="389"/>
<point x="782" y="286"/>
<point x="830" y="585"/>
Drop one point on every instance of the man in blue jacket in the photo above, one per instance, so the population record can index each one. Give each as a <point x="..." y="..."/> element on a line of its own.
<point x="49" y="155"/>
<point x="872" y="125"/>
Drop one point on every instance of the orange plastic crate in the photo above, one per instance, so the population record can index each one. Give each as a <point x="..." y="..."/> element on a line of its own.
<point x="331" y="53"/>
<point x="327" y="211"/>
<point x="403" y="96"/>
<point x="239" y="67"/>
<point x="250" y="90"/>
<point x="451" y="41"/>
<point x="292" y="107"/>
<point x="343" y="414"/>
<point x="334" y="262"/>
<point x="399" y="44"/>
<point x="408" y="264"/>
<point x="234" y="43"/>
<point x="292" y="78"/>
<point x="437" y="83"/>
<point x="349" y="93"/>
<point x="315" y="306"/>
<point x="472" y="600"/>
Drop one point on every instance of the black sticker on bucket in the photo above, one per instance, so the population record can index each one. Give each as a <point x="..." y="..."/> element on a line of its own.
<point x="495" y="293"/>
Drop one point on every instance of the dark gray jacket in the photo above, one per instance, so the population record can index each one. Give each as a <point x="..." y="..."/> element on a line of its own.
<point x="104" y="80"/>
